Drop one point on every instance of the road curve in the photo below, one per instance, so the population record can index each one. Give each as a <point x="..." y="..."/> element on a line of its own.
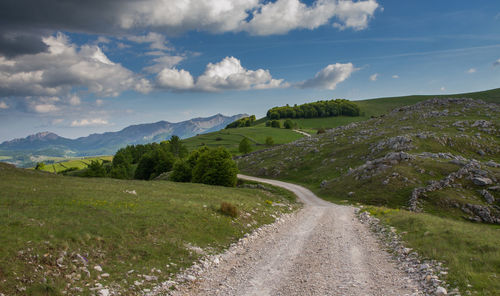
<point x="321" y="250"/>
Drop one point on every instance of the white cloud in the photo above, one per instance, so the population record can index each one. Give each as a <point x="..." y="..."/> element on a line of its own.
<point x="257" y="17"/>
<point x="395" y="76"/>
<point x="99" y="102"/>
<point x="165" y="61"/>
<point x="175" y="79"/>
<point x="355" y="15"/>
<point x="443" y="88"/>
<point x="74" y="100"/>
<point x="471" y="71"/>
<point x="44" y="108"/>
<point x="227" y="74"/>
<point x="3" y="105"/>
<point x="330" y="76"/>
<point x="89" y="122"/>
<point x="374" y="77"/>
<point x="63" y="67"/>
<point x="496" y="63"/>
<point x="157" y="41"/>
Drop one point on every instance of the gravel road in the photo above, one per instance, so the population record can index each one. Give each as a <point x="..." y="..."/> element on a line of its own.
<point x="321" y="250"/>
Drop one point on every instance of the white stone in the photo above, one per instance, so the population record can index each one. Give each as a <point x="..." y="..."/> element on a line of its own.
<point x="104" y="292"/>
<point x="440" y="291"/>
<point x="98" y="268"/>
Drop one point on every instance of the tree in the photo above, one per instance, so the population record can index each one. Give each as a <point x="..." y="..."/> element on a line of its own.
<point x="269" y="141"/>
<point x="288" y="124"/>
<point x="215" y="167"/>
<point x="276" y="123"/>
<point x="95" y="169"/>
<point x="145" y="168"/>
<point x="182" y="171"/>
<point x="176" y="147"/>
<point x="245" y="146"/>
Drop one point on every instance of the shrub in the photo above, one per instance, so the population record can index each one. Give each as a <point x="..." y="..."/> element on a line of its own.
<point x="95" y="169"/>
<point x="218" y="139"/>
<point x="215" y="167"/>
<point x="288" y="124"/>
<point x="229" y="209"/>
<point x="245" y="146"/>
<point x="182" y="171"/>
<point x="276" y="123"/>
<point x="321" y="131"/>
<point x="269" y="141"/>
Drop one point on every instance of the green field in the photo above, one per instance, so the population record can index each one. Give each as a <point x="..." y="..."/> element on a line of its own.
<point x="80" y="163"/>
<point x="231" y="138"/>
<point x="46" y="217"/>
<point x="5" y="157"/>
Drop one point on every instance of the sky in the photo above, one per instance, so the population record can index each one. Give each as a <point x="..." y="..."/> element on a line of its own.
<point x="81" y="67"/>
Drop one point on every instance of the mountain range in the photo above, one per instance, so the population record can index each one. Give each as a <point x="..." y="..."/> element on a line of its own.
<point x="47" y="143"/>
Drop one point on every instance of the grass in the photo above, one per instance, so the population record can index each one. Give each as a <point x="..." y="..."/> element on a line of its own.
<point x="470" y="251"/>
<point x="78" y="162"/>
<point x="45" y="217"/>
<point x="5" y="157"/>
<point x="231" y="138"/>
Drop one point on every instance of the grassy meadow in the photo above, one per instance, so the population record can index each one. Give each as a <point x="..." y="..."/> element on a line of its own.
<point x="78" y="163"/>
<point x="56" y="229"/>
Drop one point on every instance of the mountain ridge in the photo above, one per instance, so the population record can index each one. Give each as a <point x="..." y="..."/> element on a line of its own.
<point x="109" y="142"/>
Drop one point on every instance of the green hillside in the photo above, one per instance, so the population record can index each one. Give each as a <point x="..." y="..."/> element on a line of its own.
<point x="77" y="162"/>
<point x="230" y="138"/>
<point x="438" y="158"/>
<point x="56" y="229"/>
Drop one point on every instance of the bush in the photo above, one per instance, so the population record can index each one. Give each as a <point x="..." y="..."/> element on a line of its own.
<point x="245" y="146"/>
<point x="153" y="164"/>
<point x="95" y="169"/>
<point x="229" y="209"/>
<point x="242" y="122"/>
<point x="321" y="131"/>
<point x="215" y="167"/>
<point x="269" y="141"/>
<point x="218" y="139"/>
<point x="182" y="171"/>
<point x="288" y="124"/>
<point x="276" y="123"/>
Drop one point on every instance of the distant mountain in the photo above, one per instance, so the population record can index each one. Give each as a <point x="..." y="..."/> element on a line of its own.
<point x="107" y="143"/>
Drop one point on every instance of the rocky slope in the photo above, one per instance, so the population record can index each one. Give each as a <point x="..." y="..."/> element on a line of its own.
<point x="437" y="156"/>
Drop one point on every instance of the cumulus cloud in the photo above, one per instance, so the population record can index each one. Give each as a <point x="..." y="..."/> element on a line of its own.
<point x="175" y="79"/>
<point x="329" y="77"/>
<point x="89" y="122"/>
<point x="374" y="77"/>
<point x="164" y="61"/>
<point x="227" y="74"/>
<point x="471" y="71"/>
<point x="255" y="16"/>
<point x="3" y="105"/>
<point x="63" y="67"/>
<point x="395" y="76"/>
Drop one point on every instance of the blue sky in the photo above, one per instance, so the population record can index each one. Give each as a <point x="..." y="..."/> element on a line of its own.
<point x="77" y="70"/>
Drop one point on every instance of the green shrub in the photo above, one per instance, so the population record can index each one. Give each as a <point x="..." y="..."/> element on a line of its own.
<point x="182" y="171"/>
<point x="276" y="123"/>
<point x="269" y="141"/>
<point x="321" y="131"/>
<point x="245" y="146"/>
<point x="229" y="209"/>
<point x="40" y="166"/>
<point x="288" y="124"/>
<point x="215" y="167"/>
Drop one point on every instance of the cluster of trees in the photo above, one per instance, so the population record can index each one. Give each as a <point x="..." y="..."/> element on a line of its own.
<point x="288" y="124"/>
<point x="329" y="108"/>
<point x="146" y="162"/>
<point x="273" y="123"/>
<point x="208" y="166"/>
<point x="242" y="122"/>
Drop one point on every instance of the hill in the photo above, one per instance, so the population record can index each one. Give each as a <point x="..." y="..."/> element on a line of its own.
<point x="76" y="236"/>
<point x="430" y="169"/>
<point x="23" y="151"/>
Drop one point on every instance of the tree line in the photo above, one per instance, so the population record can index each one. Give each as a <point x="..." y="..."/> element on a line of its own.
<point x="148" y="161"/>
<point x="242" y="122"/>
<point x="337" y="107"/>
